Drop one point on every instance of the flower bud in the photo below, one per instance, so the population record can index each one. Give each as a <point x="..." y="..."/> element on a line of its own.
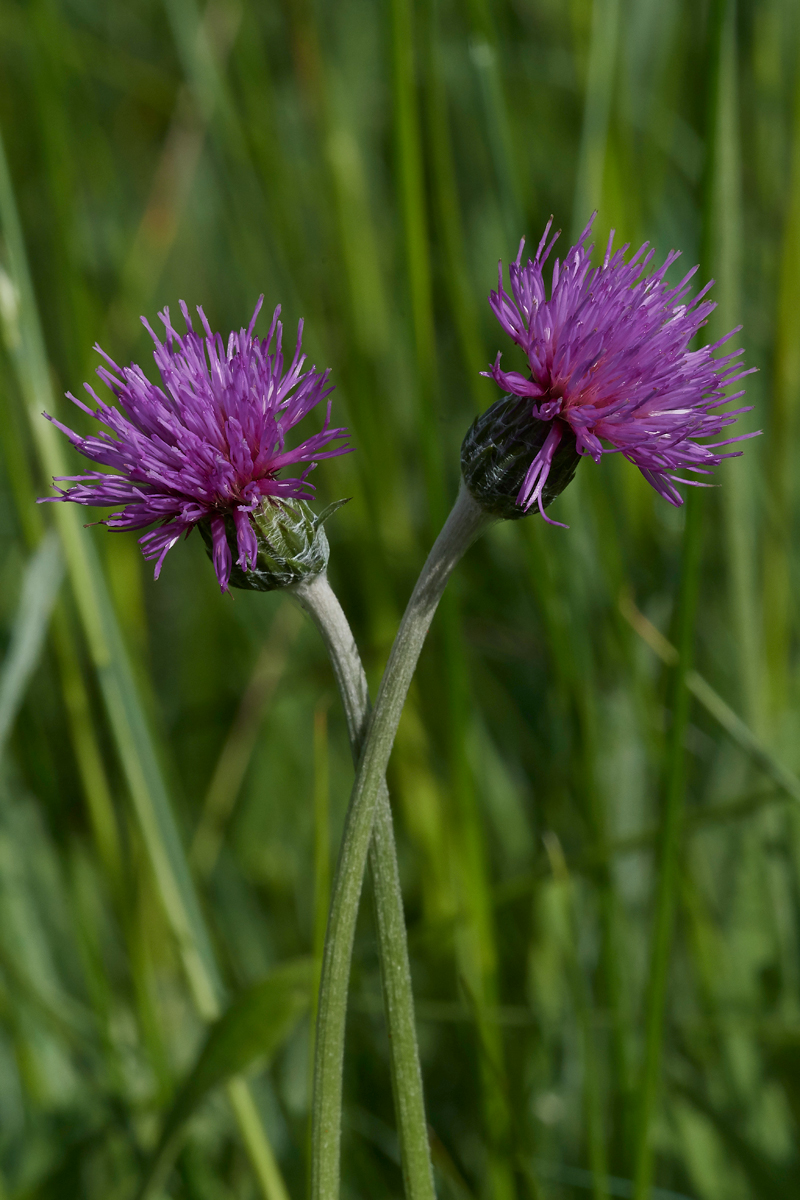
<point x="292" y="544"/>
<point x="496" y="455"/>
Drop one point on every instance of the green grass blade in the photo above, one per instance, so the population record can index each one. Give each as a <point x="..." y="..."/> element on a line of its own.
<point x="40" y="584"/>
<point x="235" y="756"/>
<point x="783" y="437"/>
<point x="672" y="815"/>
<point x="485" y="55"/>
<point x="418" y="263"/>
<point x="600" y="78"/>
<point x="256" y="1024"/>
<point x="725" y="226"/>
<point x="737" y="729"/>
<point x="593" y="1099"/>
<point x="449" y="222"/>
<point x="722" y="94"/>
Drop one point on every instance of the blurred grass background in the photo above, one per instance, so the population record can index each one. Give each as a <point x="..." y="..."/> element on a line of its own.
<point x="565" y="844"/>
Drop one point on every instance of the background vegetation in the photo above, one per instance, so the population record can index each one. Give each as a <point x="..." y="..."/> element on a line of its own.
<point x="366" y="165"/>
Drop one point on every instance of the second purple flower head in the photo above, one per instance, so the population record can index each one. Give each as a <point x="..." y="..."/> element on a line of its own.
<point x="207" y="445"/>
<point x="610" y="370"/>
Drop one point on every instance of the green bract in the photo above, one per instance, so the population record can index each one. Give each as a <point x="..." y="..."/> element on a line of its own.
<point x="292" y="544"/>
<point x="498" y="450"/>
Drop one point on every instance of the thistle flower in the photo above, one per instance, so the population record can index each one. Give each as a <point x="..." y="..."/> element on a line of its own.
<point x="610" y="371"/>
<point x="207" y="446"/>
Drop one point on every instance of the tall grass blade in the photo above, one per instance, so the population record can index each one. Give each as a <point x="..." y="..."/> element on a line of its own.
<point x="783" y="430"/>
<point x="449" y="225"/>
<point x="254" y="1027"/>
<point x="600" y="79"/>
<point x="712" y="702"/>
<point x="40" y="584"/>
<point x="725" y="225"/>
<point x="485" y="55"/>
<point x="593" y="1099"/>
<point x="669" y="841"/>
<point x="237" y="751"/>
<point x="411" y="188"/>
<point x="722" y="93"/>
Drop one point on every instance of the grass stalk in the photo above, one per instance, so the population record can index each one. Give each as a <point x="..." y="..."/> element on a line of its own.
<point x="411" y="187"/>
<point x="600" y="77"/>
<point x="593" y="1100"/>
<point x="485" y="55"/>
<point x="724" y="251"/>
<point x="449" y="225"/>
<point x="669" y="844"/>
<point x="783" y="427"/>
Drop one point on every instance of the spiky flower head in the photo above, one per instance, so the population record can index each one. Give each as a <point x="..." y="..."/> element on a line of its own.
<point x="610" y="371"/>
<point x="208" y="444"/>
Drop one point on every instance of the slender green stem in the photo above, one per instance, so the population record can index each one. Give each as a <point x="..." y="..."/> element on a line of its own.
<point x="318" y="599"/>
<point x="463" y="525"/>
<point x="669" y="844"/>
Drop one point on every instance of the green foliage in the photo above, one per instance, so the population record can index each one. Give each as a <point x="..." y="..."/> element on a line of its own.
<point x="366" y="165"/>
<point x="254" y="1026"/>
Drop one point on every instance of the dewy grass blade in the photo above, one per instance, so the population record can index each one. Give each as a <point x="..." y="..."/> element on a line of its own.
<point x="134" y="743"/>
<point x="40" y="585"/>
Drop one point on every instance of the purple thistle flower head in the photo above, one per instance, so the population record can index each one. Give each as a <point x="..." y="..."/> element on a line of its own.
<point x="610" y="371"/>
<point x="208" y="444"/>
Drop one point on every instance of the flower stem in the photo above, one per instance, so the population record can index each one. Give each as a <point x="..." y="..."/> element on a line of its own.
<point x="316" y="596"/>
<point x="465" y="522"/>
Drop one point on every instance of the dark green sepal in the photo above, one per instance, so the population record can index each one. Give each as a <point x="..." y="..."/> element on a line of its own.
<point x="292" y="545"/>
<point x="499" y="448"/>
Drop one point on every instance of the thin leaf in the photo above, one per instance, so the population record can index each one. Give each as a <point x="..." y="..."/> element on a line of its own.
<point x="255" y="1026"/>
<point x="712" y="702"/>
<point x="40" y="585"/>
